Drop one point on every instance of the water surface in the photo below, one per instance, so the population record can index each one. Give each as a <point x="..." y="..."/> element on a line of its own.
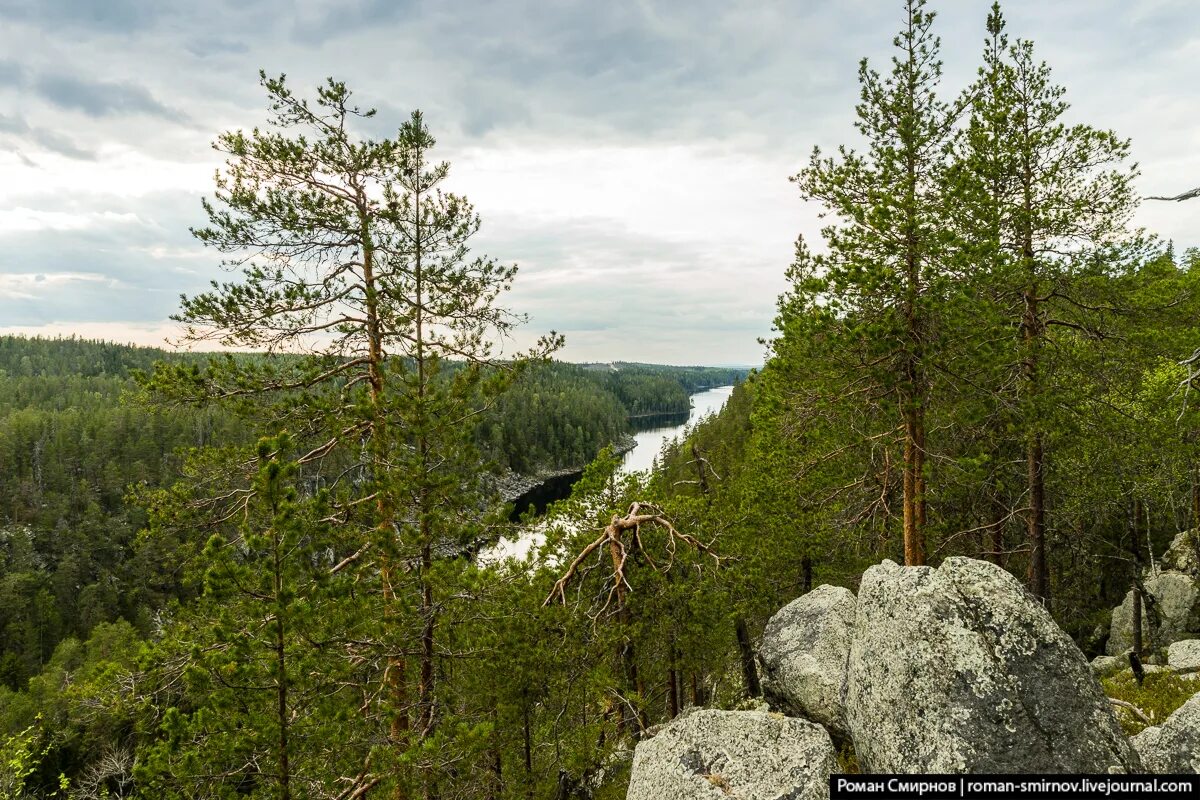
<point x="650" y="441"/>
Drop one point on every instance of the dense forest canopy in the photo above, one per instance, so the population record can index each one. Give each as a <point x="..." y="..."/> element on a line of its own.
<point x="74" y="443"/>
<point x="261" y="575"/>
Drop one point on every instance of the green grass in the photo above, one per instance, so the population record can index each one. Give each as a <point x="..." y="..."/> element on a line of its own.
<point x="1159" y="695"/>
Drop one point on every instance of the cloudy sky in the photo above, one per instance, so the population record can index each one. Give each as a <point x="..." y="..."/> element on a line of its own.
<point x="631" y="155"/>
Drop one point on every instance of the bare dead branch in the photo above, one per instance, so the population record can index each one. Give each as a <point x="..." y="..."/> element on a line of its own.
<point x="614" y="536"/>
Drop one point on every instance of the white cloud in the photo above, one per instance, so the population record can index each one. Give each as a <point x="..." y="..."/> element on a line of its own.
<point x="117" y="173"/>
<point x="41" y="285"/>
<point x="24" y="220"/>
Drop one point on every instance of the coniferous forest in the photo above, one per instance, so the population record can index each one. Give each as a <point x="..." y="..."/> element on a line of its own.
<point x="266" y="567"/>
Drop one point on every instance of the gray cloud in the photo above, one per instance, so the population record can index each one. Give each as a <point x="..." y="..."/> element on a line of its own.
<point x="614" y="292"/>
<point x="44" y="139"/>
<point x="100" y="98"/>
<point x="210" y="46"/>
<point x="350" y="17"/>
<point x="109" y="15"/>
<point x="11" y="73"/>
<point x="767" y="79"/>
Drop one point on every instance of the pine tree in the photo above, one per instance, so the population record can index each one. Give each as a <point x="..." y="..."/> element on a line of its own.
<point x="1045" y="206"/>
<point x="266" y="694"/>
<point x="886" y="267"/>
<point x="381" y="334"/>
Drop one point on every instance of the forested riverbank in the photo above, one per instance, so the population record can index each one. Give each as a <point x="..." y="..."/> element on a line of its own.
<point x="75" y="442"/>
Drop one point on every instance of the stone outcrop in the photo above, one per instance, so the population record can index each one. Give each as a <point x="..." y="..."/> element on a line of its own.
<point x="949" y="670"/>
<point x="1184" y="656"/>
<point x="1103" y="666"/>
<point x="1178" y="598"/>
<point x="750" y="755"/>
<point x="1175" y="584"/>
<point x="958" y="669"/>
<point x="803" y="653"/>
<point x="1183" y="555"/>
<point x="1173" y="746"/>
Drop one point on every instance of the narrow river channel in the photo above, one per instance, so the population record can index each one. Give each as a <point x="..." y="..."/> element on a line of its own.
<point x="650" y="440"/>
<point x="649" y="433"/>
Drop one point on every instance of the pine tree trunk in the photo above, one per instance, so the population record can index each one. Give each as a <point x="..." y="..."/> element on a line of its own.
<point x="527" y="744"/>
<point x="632" y="723"/>
<point x="672" y="688"/>
<point x="281" y="678"/>
<point x="1196" y="498"/>
<point x="701" y="477"/>
<point x="496" y="786"/>
<point x="746" y="651"/>
<point x="1039" y="570"/>
<point x="1138" y="646"/>
<point x="425" y="702"/>
<point x="395" y="673"/>
<point x="996" y="530"/>
<point x="914" y="487"/>
<point x="427" y="717"/>
<point x="1031" y="333"/>
<point x="913" y="395"/>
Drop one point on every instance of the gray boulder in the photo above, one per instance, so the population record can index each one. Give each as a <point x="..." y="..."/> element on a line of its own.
<point x="750" y="755"/>
<point x="1174" y="746"/>
<point x="1184" y="656"/>
<point x="958" y="669"/>
<point x="1184" y="554"/>
<point x="803" y="653"/>
<point x="1178" y="596"/>
<point x="1103" y="666"/>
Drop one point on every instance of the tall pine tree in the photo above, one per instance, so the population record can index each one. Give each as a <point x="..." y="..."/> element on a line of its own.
<point x="885" y="269"/>
<point x="382" y="335"/>
<point x="1045" y="206"/>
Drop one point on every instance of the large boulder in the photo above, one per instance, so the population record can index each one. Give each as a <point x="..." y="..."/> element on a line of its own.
<point x="1174" y="746"/>
<point x="1178" y="597"/>
<point x="1184" y="656"/>
<point x="959" y="670"/>
<point x="1184" y="554"/>
<point x="803" y="653"/>
<point x="750" y="755"/>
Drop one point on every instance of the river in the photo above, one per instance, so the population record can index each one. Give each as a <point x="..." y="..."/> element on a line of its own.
<point x="650" y="440"/>
<point x="653" y="432"/>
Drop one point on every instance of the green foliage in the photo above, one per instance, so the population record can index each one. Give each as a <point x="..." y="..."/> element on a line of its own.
<point x="73" y="443"/>
<point x="321" y="614"/>
<point x="885" y="279"/>
<point x="1042" y="210"/>
<point x="1157" y="697"/>
<point x="18" y="760"/>
<point x="848" y="760"/>
<point x="554" y="416"/>
<point x="264" y="702"/>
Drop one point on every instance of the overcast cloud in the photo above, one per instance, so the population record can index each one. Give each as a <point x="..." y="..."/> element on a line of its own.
<point x="631" y="156"/>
